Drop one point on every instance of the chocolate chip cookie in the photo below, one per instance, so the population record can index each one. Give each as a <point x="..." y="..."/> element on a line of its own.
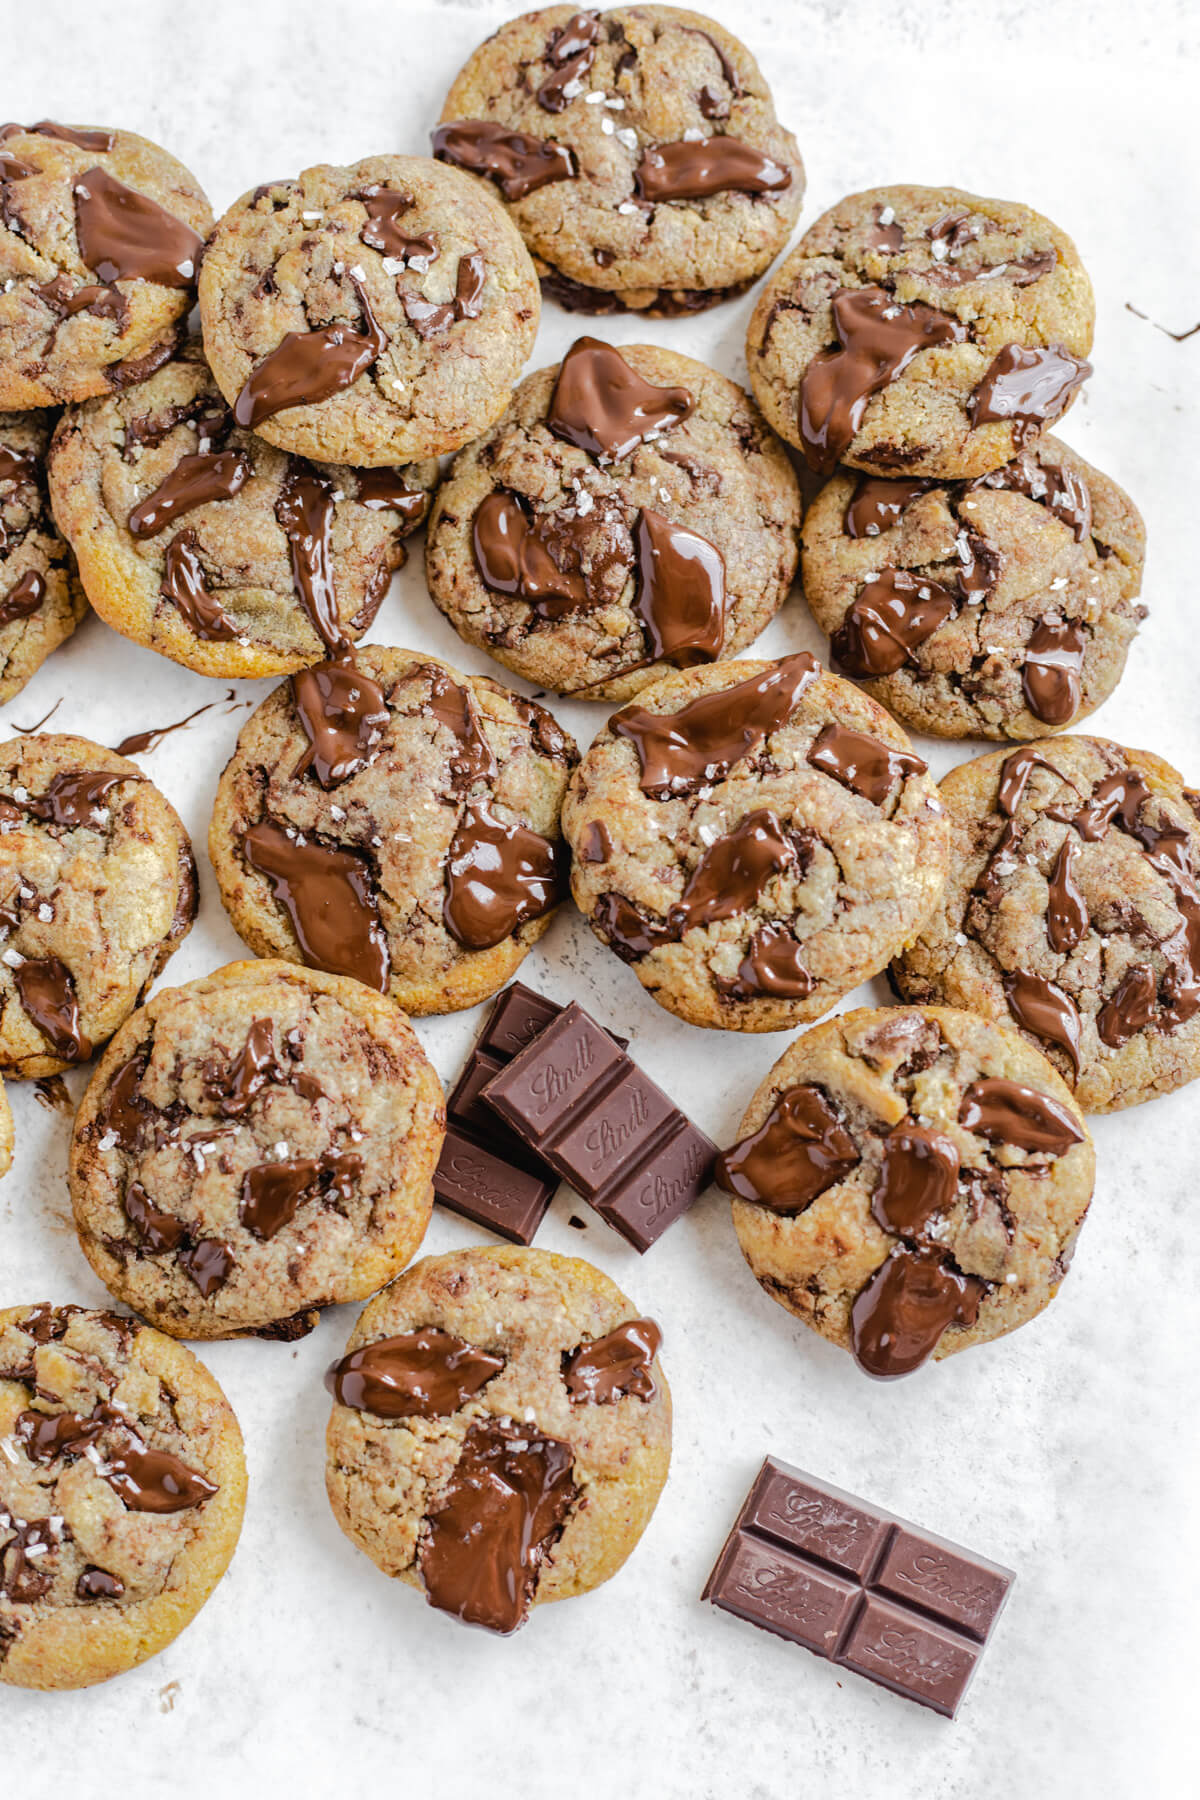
<point x="396" y="821"/>
<point x="1072" y="911"/>
<point x="97" y="889"/>
<point x="122" y="1486"/>
<point x="100" y="238"/>
<point x="910" y="1181"/>
<point x="922" y="331"/>
<point x="501" y="1431"/>
<point x="370" y="315"/>
<point x="1002" y="607"/>
<point x="755" y="839"/>
<point x="41" y="601"/>
<point x="630" y="512"/>
<point x="200" y="540"/>
<point x="252" y="1147"/>
<point x="637" y="149"/>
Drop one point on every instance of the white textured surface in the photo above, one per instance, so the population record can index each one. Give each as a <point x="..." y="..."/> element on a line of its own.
<point x="1068" y="1451"/>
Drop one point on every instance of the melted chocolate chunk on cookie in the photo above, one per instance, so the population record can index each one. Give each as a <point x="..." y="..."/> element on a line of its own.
<point x="1043" y="1008"/>
<point x="602" y="405"/>
<point x="343" y="714"/>
<point x="501" y="1513"/>
<point x="698" y="745"/>
<point x="772" y="968"/>
<point x="680" y="593"/>
<point x="310" y="366"/>
<point x="46" y="989"/>
<point x="1027" y="389"/>
<point x="878" y="338"/>
<point x="862" y="763"/>
<point x="385" y="208"/>
<point x="695" y="170"/>
<point x="889" y="619"/>
<point x="606" y="1369"/>
<point x="185" y="586"/>
<point x="273" y="1192"/>
<point x="918" y="1179"/>
<point x="801" y="1149"/>
<point x="126" y="236"/>
<point x="570" y="51"/>
<point x="1007" y="1112"/>
<point x="425" y="1374"/>
<point x="909" y="1303"/>
<point x="517" y="163"/>
<point x="329" y="898"/>
<point x="531" y="556"/>
<point x="1051" y="677"/>
<point x="196" y="480"/>
<point x="429" y="318"/>
<point x="498" y="877"/>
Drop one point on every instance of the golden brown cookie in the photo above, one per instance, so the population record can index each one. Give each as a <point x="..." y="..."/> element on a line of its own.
<point x="501" y="1431"/>
<point x="255" y="1146"/>
<point x="41" y="601"/>
<point x="122" y="1486"/>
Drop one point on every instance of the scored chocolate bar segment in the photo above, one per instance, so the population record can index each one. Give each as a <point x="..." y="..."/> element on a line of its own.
<point x="485" y="1172"/>
<point x="859" y="1586"/>
<point x="581" y="1104"/>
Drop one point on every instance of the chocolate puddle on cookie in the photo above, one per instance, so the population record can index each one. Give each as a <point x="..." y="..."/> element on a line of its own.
<point x="602" y="405"/>
<point x="901" y="1315"/>
<point x="606" y="1369"/>
<point x="518" y="163"/>
<point x="498" y="878"/>
<point x="570" y="51"/>
<point x="864" y="764"/>
<point x="1027" y="389"/>
<point x="183" y="584"/>
<point x="329" y="898"/>
<point x="196" y="480"/>
<point x="46" y="989"/>
<point x="801" y="1149"/>
<point x="308" y="367"/>
<point x="695" y="169"/>
<point x="343" y="714"/>
<point x="126" y="236"/>
<point x="425" y="1374"/>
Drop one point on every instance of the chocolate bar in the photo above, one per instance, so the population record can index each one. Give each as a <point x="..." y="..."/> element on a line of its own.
<point x="485" y="1172"/>
<point x="576" y="1100"/>
<point x="858" y="1586"/>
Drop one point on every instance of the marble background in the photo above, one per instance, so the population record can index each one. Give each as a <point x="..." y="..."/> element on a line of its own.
<point x="1068" y="1451"/>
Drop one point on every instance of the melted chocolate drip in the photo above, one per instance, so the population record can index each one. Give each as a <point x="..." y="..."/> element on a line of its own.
<point x="23" y="599"/>
<point x="595" y="845"/>
<point x="698" y="745"/>
<point x="305" y="510"/>
<point x="380" y="488"/>
<point x="1051" y="676"/>
<point x="184" y="586"/>
<point x="123" y="1111"/>
<point x="773" y="966"/>
<point x="689" y="170"/>
<point x="140" y="741"/>
<point x="330" y="900"/>
<point x="570" y="51"/>
<point x="898" y="1319"/>
<point x="195" y="481"/>
<point x="1014" y="777"/>
<point x="343" y="714"/>
<point x="604" y="1370"/>
<point x="861" y="763"/>
<point x="126" y="236"/>
<point x="1066" y="914"/>
<point x="1027" y="389"/>
<point x="1005" y="1112"/>
<point x="46" y="990"/>
<point x="799" y="1150"/>
<point x="1130" y="1008"/>
<point x="891" y="617"/>
<point x="308" y="367"/>
<point x="602" y="405"/>
<point x="502" y="1510"/>
<point x="94" y="139"/>
<point x="878" y="504"/>
<point x="424" y="1374"/>
<point x="498" y="878"/>
<point x="272" y="1192"/>
<point x="428" y="318"/>
<point x="680" y="591"/>
<point x="451" y="704"/>
<point x="1042" y="1008"/>
<point x="517" y="163"/>
<point x="918" y="1179"/>
<point x="878" y="339"/>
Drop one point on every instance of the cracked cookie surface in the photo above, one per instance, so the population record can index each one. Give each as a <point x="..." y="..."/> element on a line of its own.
<point x="910" y="1181"/>
<point x="638" y="151"/>
<point x="203" y="542"/>
<point x="396" y="821"/>
<point x="1072" y="911"/>
<point x="41" y="601"/>
<point x="921" y="331"/>
<point x="588" y="572"/>
<point x="100" y="235"/>
<point x="122" y="1486"/>
<point x="529" y="1383"/>
<point x="755" y="839"/>
<point x="254" y="1146"/>
<point x="368" y="315"/>
<point x="97" y="889"/>
<point x="1002" y="608"/>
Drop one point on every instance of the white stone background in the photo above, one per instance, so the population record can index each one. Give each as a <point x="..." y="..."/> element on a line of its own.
<point x="1068" y="1451"/>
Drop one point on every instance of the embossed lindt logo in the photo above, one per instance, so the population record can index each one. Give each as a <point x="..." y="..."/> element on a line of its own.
<point x="550" y="1084"/>
<point x="900" y="1653"/>
<point x="609" y="1136"/>
<point x="660" y="1194"/>
<point x="789" y="1593"/>
<point x="933" y="1575"/>
<point x="466" y="1170"/>
<point x="837" y="1531"/>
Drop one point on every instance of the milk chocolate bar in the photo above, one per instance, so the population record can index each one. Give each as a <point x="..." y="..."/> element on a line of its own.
<point x="576" y="1100"/>
<point x="859" y="1586"/>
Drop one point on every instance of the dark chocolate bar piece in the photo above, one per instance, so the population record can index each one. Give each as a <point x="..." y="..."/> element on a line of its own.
<point x="577" y="1101"/>
<point x="485" y="1172"/>
<point x="859" y="1586"/>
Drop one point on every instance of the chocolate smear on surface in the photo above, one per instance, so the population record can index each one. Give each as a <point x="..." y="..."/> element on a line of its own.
<point x="138" y="742"/>
<point x="425" y="1374"/>
<point x="330" y="900"/>
<point x="878" y="339"/>
<point x="799" y="1150"/>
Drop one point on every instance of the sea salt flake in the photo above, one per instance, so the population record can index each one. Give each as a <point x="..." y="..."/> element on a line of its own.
<point x="628" y="137"/>
<point x="607" y="127"/>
